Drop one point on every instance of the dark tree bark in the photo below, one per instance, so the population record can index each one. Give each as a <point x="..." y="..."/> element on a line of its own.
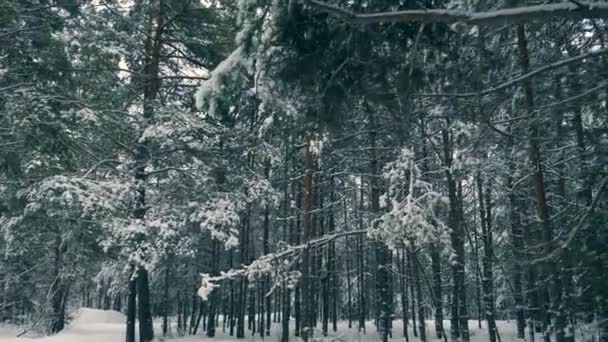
<point x="214" y="296"/>
<point x="410" y="282"/>
<point x="288" y="236"/>
<point x="266" y="250"/>
<point x="150" y="83"/>
<point x="298" y="291"/>
<point x="59" y="289"/>
<point x="201" y="314"/>
<point x="485" y="214"/>
<point x="131" y="310"/>
<point x="383" y="296"/>
<point x="194" y="312"/>
<point x="361" y="267"/>
<point x="146" y="331"/>
<point x="549" y="270"/>
<point x="166" y="302"/>
<point x="333" y="276"/>
<point x="459" y="328"/>
<point x="477" y="277"/>
<point x="348" y="269"/>
<point x="243" y="284"/>
<point x="437" y="291"/>
<point x="418" y="284"/>
<point x="404" y="296"/>
<point x="307" y="292"/>
<point x="516" y="233"/>
<point x="231" y="299"/>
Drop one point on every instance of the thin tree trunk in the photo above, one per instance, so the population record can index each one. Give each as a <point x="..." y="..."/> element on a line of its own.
<point x="418" y="284"/>
<point x="201" y="314"/>
<point x="266" y="250"/>
<point x="166" y="302"/>
<point x="214" y="296"/>
<point x="231" y="299"/>
<point x="298" y="291"/>
<point x="349" y="303"/>
<point x="485" y="213"/>
<point x="307" y="319"/>
<point x="518" y="245"/>
<point x="437" y="291"/>
<point x="333" y="282"/>
<point x="410" y="282"/>
<point x="242" y="294"/>
<point x="404" y="296"/>
<point x="360" y="268"/>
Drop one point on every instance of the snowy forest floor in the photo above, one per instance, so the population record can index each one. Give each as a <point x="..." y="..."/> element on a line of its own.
<point x="90" y="325"/>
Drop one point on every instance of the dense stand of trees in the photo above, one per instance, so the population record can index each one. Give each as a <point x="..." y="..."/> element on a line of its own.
<point x="310" y="162"/>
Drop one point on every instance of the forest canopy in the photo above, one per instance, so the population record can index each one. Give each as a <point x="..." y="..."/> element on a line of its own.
<point x="303" y="169"/>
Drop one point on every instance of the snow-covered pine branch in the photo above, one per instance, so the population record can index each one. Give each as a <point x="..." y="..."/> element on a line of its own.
<point x="411" y="204"/>
<point x="497" y="17"/>
<point x="268" y="263"/>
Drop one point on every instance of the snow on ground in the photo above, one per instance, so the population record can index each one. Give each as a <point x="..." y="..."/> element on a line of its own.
<point x="90" y="325"/>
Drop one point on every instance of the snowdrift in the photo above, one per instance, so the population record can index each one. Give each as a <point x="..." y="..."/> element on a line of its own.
<point x="86" y="316"/>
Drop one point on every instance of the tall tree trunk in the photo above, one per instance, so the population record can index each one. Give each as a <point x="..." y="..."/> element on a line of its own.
<point x="243" y="284"/>
<point x="333" y="277"/>
<point x="58" y="289"/>
<point x="349" y="288"/>
<point x="146" y="331"/>
<point x="266" y="250"/>
<point x="201" y="314"/>
<point x="404" y="295"/>
<point x="477" y="277"/>
<point x="151" y="84"/>
<point x="383" y="296"/>
<point x="131" y="310"/>
<point x="307" y="292"/>
<point x="517" y="241"/>
<point x="360" y="267"/>
<point x="214" y="296"/>
<point x="459" y="328"/>
<point x="297" y="238"/>
<point x="485" y="214"/>
<point x="194" y="312"/>
<point x="437" y="291"/>
<point x="166" y="302"/>
<point x="412" y="287"/>
<point x="418" y="283"/>
<point x="231" y="297"/>
<point x="288" y="236"/>
<point x="549" y="269"/>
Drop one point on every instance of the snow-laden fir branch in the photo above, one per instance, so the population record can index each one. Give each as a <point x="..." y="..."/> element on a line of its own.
<point x="543" y="12"/>
<point x="264" y="264"/>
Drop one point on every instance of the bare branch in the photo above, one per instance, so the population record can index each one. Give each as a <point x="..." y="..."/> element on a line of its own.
<point x="526" y="76"/>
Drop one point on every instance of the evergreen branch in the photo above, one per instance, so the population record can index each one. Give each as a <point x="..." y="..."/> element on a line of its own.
<point x="498" y="17"/>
